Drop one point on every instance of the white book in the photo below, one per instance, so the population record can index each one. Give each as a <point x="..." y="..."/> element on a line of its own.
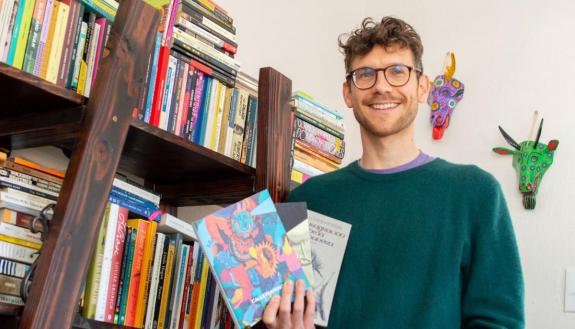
<point x="6" y="15"/>
<point x="23" y="200"/>
<point x="19" y="233"/>
<point x="305" y="168"/>
<point x="168" y="93"/>
<point x="172" y="224"/>
<point x="211" y="113"/>
<point x="328" y="242"/>
<point x="107" y="261"/>
<point x="79" y="52"/>
<point x="17" y="253"/>
<point x="91" y="58"/>
<point x="137" y="191"/>
<point x="151" y="307"/>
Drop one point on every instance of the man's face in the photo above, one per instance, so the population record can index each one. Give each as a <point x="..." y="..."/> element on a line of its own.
<point x="384" y="110"/>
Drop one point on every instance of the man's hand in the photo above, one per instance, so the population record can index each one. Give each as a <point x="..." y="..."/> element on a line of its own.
<point x="279" y="313"/>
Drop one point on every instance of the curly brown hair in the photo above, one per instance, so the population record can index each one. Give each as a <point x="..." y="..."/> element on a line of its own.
<point x="390" y="32"/>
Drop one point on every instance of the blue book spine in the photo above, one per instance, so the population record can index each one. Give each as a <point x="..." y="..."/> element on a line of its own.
<point x="203" y="111"/>
<point x="150" y="95"/>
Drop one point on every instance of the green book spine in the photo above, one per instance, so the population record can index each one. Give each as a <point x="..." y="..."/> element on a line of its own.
<point x="127" y="277"/>
<point x="15" y="32"/>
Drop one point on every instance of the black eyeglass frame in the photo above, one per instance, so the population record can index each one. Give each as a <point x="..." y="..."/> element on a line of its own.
<point x="351" y="75"/>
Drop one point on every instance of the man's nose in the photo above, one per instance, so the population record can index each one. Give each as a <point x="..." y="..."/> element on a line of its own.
<point x="381" y="84"/>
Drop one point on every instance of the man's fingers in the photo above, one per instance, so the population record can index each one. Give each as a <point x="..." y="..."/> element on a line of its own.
<point x="298" y="305"/>
<point x="285" y="302"/>
<point x="309" y="309"/>
<point x="271" y="312"/>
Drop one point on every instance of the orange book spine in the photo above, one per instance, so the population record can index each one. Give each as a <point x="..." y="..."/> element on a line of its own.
<point x="142" y="226"/>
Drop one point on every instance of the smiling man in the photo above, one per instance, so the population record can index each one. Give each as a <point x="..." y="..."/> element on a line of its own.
<point x="431" y="244"/>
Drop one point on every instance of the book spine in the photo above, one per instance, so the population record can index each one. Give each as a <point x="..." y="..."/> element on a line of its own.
<point x="224" y="122"/>
<point x="100" y="45"/>
<point x="46" y="26"/>
<point x="136" y="199"/>
<point x="20" y="242"/>
<point x="12" y="268"/>
<point x="249" y="130"/>
<point x="175" y="96"/>
<point x="239" y="124"/>
<point x="209" y="37"/>
<point x="55" y="55"/>
<point x="163" y="60"/>
<point x="75" y="77"/>
<point x="10" y="285"/>
<point x="212" y="72"/>
<point x="188" y="101"/>
<point x="17" y="253"/>
<point x="147" y="263"/>
<point x="71" y="66"/>
<point x="10" y="12"/>
<point x="127" y="277"/>
<point x="313" y="150"/>
<point x="321" y="124"/>
<point x="95" y="271"/>
<point x="154" y="279"/>
<point x="83" y="72"/>
<point x="232" y="118"/>
<point x="161" y="279"/>
<point x="166" y="285"/>
<point x="315" y="109"/>
<point x="13" y="300"/>
<point x="98" y="8"/>
<point x="34" y="36"/>
<point x="131" y="206"/>
<point x="91" y="59"/>
<point x="184" y="308"/>
<point x="305" y="168"/>
<point x="30" y="178"/>
<point x="179" y="291"/>
<point x="202" y="293"/>
<point x="152" y="80"/>
<point x="70" y="32"/>
<point x="231" y="64"/>
<point x="23" y="33"/>
<point x="217" y="119"/>
<point x="24" y="200"/>
<point x="17" y="218"/>
<point x="136" y="191"/>
<point x="135" y="276"/>
<point x="181" y="100"/>
<point x="20" y="233"/>
<point x="196" y="289"/>
<point x="318" y="138"/>
<point x="210" y="111"/>
<point x="165" y="109"/>
<point x="124" y="268"/>
<point x="13" y="40"/>
<point x="204" y="111"/>
<point x="174" y="284"/>
<point x="213" y="12"/>
<point x="208" y="21"/>
<point x="107" y="262"/>
<point x="116" y="265"/>
<point x="197" y="104"/>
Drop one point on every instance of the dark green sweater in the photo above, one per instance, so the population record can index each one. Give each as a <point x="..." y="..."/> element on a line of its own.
<point x="430" y="247"/>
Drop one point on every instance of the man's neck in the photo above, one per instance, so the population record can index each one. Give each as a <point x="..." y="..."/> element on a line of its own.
<point x="388" y="152"/>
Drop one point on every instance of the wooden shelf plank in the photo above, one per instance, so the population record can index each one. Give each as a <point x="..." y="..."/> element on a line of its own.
<point x="30" y="93"/>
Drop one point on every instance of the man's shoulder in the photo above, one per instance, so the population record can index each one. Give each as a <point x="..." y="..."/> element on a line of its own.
<point x="468" y="174"/>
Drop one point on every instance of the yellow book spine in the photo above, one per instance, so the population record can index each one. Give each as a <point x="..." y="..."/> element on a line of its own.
<point x="49" y="40"/>
<point x="225" y="121"/>
<point x="202" y="294"/>
<point x="23" y="34"/>
<point x="82" y="77"/>
<point x="166" y="288"/>
<point x="20" y="242"/>
<point x="58" y="43"/>
<point x="217" y="116"/>
<point x="145" y="275"/>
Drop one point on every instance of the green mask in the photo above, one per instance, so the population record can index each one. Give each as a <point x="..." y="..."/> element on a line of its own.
<point x="531" y="160"/>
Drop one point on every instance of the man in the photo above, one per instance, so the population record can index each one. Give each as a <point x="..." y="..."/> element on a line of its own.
<point x="431" y="244"/>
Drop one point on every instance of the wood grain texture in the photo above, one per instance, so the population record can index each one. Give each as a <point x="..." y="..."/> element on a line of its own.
<point x="274" y="134"/>
<point x="66" y="254"/>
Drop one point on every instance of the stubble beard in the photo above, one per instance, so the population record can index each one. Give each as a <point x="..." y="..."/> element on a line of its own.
<point x="374" y="128"/>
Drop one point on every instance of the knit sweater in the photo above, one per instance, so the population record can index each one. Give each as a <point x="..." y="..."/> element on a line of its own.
<point x="430" y="247"/>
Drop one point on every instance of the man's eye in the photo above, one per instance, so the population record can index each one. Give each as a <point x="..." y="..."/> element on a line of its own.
<point x="397" y="70"/>
<point x="365" y="73"/>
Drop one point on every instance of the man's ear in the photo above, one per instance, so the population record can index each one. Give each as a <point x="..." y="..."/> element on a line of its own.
<point x="424" y="87"/>
<point x="346" y="90"/>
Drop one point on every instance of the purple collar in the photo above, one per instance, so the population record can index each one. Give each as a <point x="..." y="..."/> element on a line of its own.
<point x="421" y="159"/>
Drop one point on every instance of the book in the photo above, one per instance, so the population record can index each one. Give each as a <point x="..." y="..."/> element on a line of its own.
<point x="12" y="268"/>
<point x="294" y="217"/>
<point x="172" y="224"/>
<point x="249" y="254"/>
<point x="328" y="242"/>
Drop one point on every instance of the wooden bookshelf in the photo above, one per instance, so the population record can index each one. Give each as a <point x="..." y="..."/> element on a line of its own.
<point x="104" y="138"/>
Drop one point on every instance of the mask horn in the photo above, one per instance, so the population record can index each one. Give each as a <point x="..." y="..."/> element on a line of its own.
<point x="449" y="68"/>
<point x="509" y="139"/>
<point x="538" y="134"/>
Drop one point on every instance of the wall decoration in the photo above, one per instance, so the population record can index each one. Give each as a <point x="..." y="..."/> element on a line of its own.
<point x="531" y="160"/>
<point x="446" y="92"/>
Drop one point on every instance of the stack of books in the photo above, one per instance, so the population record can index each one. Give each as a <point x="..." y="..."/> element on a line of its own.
<point x="318" y="138"/>
<point x="25" y="189"/>
<point x="60" y="41"/>
<point x="192" y="90"/>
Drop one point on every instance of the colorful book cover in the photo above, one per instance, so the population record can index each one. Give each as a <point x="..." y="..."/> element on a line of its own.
<point x="250" y="255"/>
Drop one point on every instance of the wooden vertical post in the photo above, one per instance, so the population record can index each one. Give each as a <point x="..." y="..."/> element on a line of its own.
<point x="65" y="256"/>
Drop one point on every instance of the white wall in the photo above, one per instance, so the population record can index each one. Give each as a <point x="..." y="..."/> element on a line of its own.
<point x="513" y="56"/>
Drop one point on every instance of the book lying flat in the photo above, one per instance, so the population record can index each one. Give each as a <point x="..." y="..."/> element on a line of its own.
<point x="328" y="242"/>
<point x="249" y="254"/>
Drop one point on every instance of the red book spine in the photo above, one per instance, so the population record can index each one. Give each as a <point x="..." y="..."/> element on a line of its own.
<point x="186" y="286"/>
<point x="163" y="59"/>
<point x="116" y="265"/>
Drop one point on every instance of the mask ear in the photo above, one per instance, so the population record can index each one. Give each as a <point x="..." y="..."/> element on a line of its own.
<point x="552" y="146"/>
<point x="503" y="151"/>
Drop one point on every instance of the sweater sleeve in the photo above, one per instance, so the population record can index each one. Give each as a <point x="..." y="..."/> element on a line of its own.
<point x="492" y="290"/>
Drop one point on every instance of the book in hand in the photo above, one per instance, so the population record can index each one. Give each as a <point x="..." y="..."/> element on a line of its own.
<point x="249" y="254"/>
<point x="328" y="242"/>
<point x="294" y="218"/>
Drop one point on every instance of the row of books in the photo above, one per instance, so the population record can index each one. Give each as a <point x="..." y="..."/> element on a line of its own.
<point x="195" y="89"/>
<point x="60" y="41"/>
<point x="148" y="274"/>
<point x="318" y="138"/>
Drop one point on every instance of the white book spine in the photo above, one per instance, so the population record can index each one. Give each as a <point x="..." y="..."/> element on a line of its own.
<point x="211" y="114"/>
<point x="177" y="304"/>
<point x="7" y="299"/>
<point x="18" y="253"/>
<point x="107" y="262"/>
<point x="92" y="58"/>
<point x="215" y="27"/>
<point x="19" y="233"/>
<point x="135" y="190"/>
<point x="219" y="116"/>
<point x="167" y="105"/>
<point x="13" y="268"/>
<point x="26" y="201"/>
<point x="305" y="168"/>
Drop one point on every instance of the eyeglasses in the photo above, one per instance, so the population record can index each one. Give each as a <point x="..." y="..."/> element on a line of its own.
<point x="397" y="75"/>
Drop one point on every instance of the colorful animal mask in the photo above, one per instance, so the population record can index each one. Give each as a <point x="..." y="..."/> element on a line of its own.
<point x="446" y="92"/>
<point x="531" y="160"/>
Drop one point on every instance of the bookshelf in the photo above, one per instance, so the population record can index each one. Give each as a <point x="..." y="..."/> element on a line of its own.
<point x="103" y="138"/>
